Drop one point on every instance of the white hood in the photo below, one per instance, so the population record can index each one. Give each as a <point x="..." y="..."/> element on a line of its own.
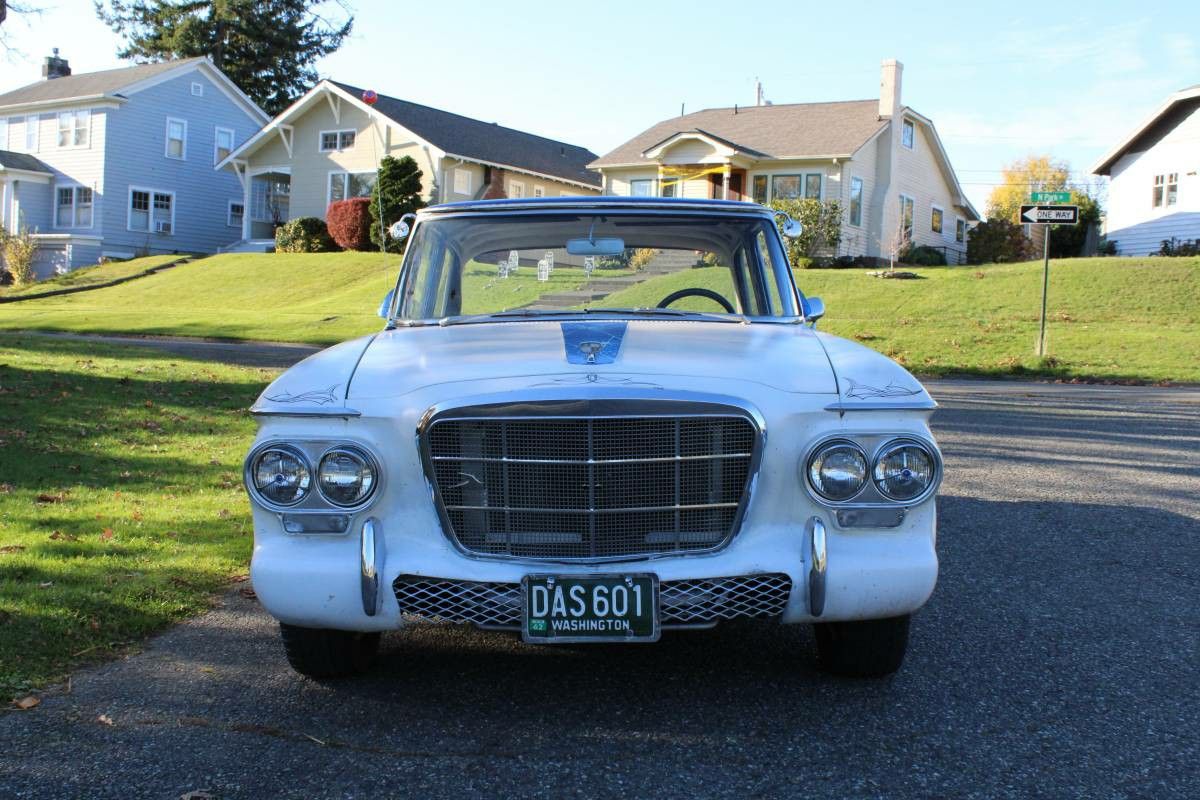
<point x="783" y="356"/>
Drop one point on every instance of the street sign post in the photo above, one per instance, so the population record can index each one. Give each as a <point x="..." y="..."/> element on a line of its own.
<point x="1049" y="197"/>
<point x="1047" y="215"/>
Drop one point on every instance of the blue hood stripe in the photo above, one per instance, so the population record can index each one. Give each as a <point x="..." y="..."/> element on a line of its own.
<point x="593" y="342"/>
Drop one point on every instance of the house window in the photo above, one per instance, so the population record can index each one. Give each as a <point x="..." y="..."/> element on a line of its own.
<point x="539" y="191"/>
<point x="641" y="188"/>
<point x="1166" y="190"/>
<point x="336" y="140"/>
<point x="31" y="133"/>
<point x="935" y="219"/>
<point x="812" y="186"/>
<point x="345" y="185"/>
<point x="73" y="208"/>
<point x="516" y="189"/>
<point x="785" y="187"/>
<point x="237" y="213"/>
<point x="908" y="134"/>
<point x="176" y="138"/>
<point x="667" y="187"/>
<point x="197" y="89"/>
<point x="151" y="211"/>
<point x="73" y="128"/>
<point x="906" y="218"/>
<point x="222" y="144"/>
<point x="462" y="182"/>
<point x="856" y="198"/>
<point x="760" y="189"/>
<point x="960" y="229"/>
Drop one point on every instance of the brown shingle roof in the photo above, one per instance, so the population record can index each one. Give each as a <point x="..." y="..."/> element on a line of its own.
<point x="87" y="84"/>
<point x="800" y="130"/>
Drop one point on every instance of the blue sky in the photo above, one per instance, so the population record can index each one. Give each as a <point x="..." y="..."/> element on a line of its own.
<point x="999" y="80"/>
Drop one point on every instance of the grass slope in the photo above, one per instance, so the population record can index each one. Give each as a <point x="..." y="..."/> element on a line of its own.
<point x="121" y="505"/>
<point x="89" y="276"/>
<point x="312" y="298"/>
<point x="1109" y="318"/>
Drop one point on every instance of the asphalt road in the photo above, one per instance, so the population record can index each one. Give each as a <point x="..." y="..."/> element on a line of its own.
<point x="1057" y="658"/>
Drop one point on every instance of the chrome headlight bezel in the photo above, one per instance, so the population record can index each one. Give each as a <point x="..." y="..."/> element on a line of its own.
<point x="895" y="444"/>
<point x="313" y="451"/>
<point x="824" y="447"/>
<point x="874" y="444"/>
<point x="281" y="447"/>
<point x="358" y="452"/>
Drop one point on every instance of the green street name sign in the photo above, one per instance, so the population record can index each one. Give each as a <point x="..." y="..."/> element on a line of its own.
<point x="1050" y="197"/>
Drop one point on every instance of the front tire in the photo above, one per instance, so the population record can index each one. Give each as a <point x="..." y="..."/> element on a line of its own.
<point x="324" y="653"/>
<point x="867" y="649"/>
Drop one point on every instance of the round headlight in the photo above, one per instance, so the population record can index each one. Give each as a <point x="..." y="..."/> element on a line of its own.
<point x="346" y="476"/>
<point x="837" y="471"/>
<point x="904" y="470"/>
<point x="281" y="475"/>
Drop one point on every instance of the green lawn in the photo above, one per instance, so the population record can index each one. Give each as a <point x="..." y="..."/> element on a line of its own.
<point x="121" y="504"/>
<point x="90" y="276"/>
<point x="1110" y="318"/>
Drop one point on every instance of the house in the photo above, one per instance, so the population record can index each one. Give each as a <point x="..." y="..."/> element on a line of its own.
<point x="328" y="144"/>
<point x="879" y="158"/>
<point x="120" y="162"/>
<point x="1154" y="185"/>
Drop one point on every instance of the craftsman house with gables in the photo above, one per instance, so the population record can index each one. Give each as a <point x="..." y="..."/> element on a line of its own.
<point x="880" y="159"/>
<point x="120" y="163"/>
<point x="1154" y="178"/>
<point x="328" y="144"/>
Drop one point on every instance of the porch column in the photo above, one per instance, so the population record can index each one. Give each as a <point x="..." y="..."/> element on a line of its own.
<point x="247" y="222"/>
<point x="725" y="182"/>
<point x="5" y="202"/>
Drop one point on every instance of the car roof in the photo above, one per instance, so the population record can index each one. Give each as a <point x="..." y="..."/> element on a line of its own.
<point x="604" y="203"/>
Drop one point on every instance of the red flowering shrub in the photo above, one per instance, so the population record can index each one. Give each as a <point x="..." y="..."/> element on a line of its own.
<point x="349" y="223"/>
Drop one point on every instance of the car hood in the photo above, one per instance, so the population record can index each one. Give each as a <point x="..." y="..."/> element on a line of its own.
<point x="788" y="357"/>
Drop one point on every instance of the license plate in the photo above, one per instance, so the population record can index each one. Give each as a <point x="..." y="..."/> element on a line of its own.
<point x="590" y="608"/>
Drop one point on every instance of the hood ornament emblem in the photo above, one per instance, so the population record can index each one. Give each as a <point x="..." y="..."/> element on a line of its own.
<point x="590" y="350"/>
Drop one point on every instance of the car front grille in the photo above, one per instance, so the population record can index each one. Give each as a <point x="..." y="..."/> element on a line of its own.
<point x="698" y="601"/>
<point x="591" y="487"/>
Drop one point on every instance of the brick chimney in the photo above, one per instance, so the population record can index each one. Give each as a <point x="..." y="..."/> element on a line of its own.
<point x="889" y="87"/>
<point x="493" y="188"/>
<point x="55" y="67"/>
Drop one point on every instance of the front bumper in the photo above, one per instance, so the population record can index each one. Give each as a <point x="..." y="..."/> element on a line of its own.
<point x="352" y="582"/>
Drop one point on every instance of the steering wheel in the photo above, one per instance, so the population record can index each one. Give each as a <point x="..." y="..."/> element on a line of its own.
<point x="697" y="292"/>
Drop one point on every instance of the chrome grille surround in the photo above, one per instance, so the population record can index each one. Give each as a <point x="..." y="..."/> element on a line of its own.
<point x="601" y="479"/>
<point x="682" y="603"/>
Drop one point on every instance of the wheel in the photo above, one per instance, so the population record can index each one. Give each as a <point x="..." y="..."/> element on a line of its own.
<point x="868" y="649"/>
<point x="323" y="653"/>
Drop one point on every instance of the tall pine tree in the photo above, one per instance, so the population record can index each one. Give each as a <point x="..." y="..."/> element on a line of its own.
<point x="266" y="47"/>
<point x="397" y="192"/>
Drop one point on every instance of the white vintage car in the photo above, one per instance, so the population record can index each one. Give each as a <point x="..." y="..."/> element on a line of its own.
<point x="595" y="420"/>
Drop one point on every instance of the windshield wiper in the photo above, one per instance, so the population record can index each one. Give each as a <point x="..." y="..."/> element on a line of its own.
<point x="535" y="313"/>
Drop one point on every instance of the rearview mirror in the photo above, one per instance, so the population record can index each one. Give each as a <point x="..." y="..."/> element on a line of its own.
<point x="604" y="246"/>
<point x="385" y="308"/>
<point x="814" y="308"/>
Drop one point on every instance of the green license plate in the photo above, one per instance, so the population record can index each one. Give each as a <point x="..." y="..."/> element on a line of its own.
<point x="590" y="608"/>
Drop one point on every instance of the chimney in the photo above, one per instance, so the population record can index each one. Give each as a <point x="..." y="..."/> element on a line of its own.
<point x="55" y="67"/>
<point x="889" y="87"/>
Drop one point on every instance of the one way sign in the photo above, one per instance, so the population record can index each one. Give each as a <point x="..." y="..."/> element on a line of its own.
<point x="1050" y="215"/>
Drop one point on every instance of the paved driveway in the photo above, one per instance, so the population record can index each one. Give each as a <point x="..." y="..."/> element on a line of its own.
<point x="1057" y="658"/>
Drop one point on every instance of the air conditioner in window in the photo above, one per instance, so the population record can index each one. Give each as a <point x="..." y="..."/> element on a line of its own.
<point x="162" y="226"/>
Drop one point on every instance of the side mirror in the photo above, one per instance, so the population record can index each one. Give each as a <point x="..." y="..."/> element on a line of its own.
<point x="385" y="308"/>
<point x="399" y="229"/>
<point x="788" y="226"/>
<point x="814" y="309"/>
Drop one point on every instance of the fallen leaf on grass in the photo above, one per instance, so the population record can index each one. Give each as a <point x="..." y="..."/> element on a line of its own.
<point x="26" y="703"/>
<point x="107" y="534"/>
<point x="104" y="719"/>
<point x="65" y="537"/>
<point x="224" y="513"/>
<point x="136" y="516"/>
<point x="12" y="548"/>
<point x="45" y="497"/>
<point x="5" y="488"/>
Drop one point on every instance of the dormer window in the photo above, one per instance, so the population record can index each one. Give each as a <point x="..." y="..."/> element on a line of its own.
<point x="908" y="134"/>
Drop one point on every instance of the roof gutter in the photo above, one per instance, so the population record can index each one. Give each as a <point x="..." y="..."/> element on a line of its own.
<point x="106" y="99"/>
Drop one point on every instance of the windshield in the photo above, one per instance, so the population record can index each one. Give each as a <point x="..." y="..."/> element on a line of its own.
<point x="526" y="265"/>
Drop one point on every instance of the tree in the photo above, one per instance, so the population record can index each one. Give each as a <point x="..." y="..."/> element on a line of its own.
<point x="996" y="240"/>
<point x="1018" y="179"/>
<point x="1068" y="241"/>
<point x="9" y="11"/>
<point x="266" y="47"/>
<point x="397" y="192"/>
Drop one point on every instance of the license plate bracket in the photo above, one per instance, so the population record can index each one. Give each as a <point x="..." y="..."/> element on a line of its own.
<point x="562" y="609"/>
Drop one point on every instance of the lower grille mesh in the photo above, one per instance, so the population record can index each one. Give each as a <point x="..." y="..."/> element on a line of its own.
<point x="685" y="602"/>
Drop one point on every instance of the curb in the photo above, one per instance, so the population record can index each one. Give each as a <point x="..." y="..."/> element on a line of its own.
<point x="94" y="286"/>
